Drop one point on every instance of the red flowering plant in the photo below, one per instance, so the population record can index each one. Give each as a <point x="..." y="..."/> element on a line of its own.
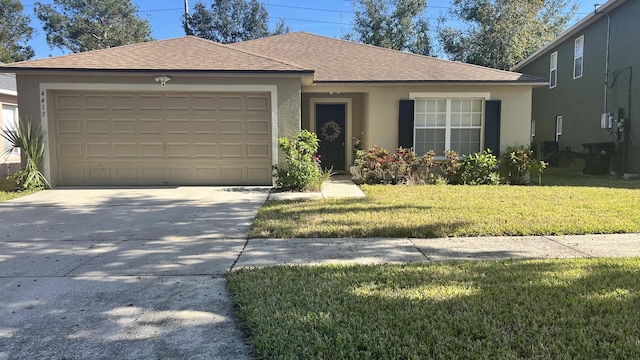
<point x="378" y="166"/>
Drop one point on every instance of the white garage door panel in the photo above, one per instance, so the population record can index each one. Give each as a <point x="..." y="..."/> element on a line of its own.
<point x="118" y="138"/>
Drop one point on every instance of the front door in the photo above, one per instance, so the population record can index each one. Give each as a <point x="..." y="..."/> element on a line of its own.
<point x="330" y="127"/>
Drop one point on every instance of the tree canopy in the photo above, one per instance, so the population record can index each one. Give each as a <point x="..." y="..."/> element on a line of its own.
<point x="83" y="25"/>
<point x="230" y="21"/>
<point x="501" y="33"/>
<point x="394" y="24"/>
<point x="15" y="31"/>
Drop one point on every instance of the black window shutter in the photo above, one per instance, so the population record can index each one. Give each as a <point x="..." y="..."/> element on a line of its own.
<point x="405" y="123"/>
<point x="492" y="126"/>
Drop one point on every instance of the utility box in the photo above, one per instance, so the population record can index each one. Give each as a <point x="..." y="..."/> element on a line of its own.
<point x="598" y="157"/>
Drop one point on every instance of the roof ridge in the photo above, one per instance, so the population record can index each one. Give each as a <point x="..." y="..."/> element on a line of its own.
<point x="408" y="53"/>
<point x="292" y="64"/>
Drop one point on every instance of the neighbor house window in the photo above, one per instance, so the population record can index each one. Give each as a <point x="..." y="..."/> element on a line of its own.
<point x="553" y="70"/>
<point x="448" y="124"/>
<point x="558" y="128"/>
<point x="532" y="136"/>
<point x="578" y="57"/>
<point x="9" y="123"/>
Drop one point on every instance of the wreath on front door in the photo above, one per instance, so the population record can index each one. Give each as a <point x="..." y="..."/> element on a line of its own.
<point x="330" y="131"/>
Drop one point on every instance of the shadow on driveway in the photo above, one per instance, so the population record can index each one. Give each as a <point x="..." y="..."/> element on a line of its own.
<point x="122" y="273"/>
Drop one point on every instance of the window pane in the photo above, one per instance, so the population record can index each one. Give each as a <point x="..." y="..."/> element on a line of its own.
<point x="442" y="120"/>
<point x="421" y="106"/>
<point x="465" y="141"/>
<point x="429" y="140"/>
<point x="442" y="106"/>
<point x="455" y="106"/>
<point x="430" y="120"/>
<point x="465" y="120"/>
<point x="477" y="106"/>
<point x="420" y="120"/>
<point x="466" y="105"/>
<point x="455" y="119"/>
<point x="577" y="68"/>
<point x="552" y="80"/>
<point x="431" y="105"/>
<point x="476" y="119"/>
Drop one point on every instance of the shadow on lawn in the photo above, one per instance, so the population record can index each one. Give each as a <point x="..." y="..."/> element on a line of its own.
<point x="585" y="308"/>
<point x="343" y="218"/>
<point x="575" y="177"/>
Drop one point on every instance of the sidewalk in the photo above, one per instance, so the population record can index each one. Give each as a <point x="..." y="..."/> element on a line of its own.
<point x="265" y="252"/>
<point x="339" y="186"/>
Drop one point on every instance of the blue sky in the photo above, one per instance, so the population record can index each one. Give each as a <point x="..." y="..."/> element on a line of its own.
<point x="325" y="17"/>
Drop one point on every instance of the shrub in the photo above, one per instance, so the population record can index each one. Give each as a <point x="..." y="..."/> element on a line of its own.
<point x="378" y="166"/>
<point x="519" y="164"/>
<point x="302" y="171"/>
<point x="30" y="140"/>
<point x="480" y="169"/>
<point x="451" y="167"/>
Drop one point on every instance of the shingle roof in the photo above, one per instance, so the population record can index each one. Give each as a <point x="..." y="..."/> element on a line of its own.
<point x="330" y="60"/>
<point x="337" y="60"/>
<point x="187" y="53"/>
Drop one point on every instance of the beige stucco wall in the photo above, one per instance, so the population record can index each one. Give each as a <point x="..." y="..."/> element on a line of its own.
<point x="288" y="93"/>
<point x="380" y="109"/>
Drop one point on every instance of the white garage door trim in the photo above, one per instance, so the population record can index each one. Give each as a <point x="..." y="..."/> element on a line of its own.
<point x="272" y="89"/>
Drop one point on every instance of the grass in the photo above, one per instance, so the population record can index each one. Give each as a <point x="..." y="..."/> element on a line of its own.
<point x="7" y="192"/>
<point x="567" y="203"/>
<point x="539" y="309"/>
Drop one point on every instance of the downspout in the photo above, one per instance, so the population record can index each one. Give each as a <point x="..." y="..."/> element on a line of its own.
<point x="606" y="61"/>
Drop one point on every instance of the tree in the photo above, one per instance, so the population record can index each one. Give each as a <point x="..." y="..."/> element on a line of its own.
<point x="393" y="24"/>
<point x="230" y="21"/>
<point x="84" y="25"/>
<point x="15" y="31"/>
<point x="501" y="33"/>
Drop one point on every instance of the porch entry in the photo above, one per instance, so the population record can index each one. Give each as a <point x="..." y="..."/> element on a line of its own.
<point x="331" y="130"/>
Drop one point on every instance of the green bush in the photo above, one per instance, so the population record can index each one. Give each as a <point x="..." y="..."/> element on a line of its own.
<point x="302" y="171"/>
<point x="519" y="164"/>
<point x="378" y="166"/>
<point x="480" y="169"/>
<point x="30" y="140"/>
<point x="451" y="167"/>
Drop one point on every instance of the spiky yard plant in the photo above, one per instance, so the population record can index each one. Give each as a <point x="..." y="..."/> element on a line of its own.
<point x="30" y="139"/>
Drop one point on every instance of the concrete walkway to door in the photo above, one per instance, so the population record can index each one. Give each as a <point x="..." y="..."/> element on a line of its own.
<point x="122" y="273"/>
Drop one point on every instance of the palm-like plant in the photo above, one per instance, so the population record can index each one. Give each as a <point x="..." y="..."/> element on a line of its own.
<point x="30" y="140"/>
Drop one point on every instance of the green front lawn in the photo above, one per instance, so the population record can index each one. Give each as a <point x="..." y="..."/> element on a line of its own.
<point x="567" y="203"/>
<point x="540" y="309"/>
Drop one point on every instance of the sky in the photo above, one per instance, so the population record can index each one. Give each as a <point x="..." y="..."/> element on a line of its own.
<point x="324" y="17"/>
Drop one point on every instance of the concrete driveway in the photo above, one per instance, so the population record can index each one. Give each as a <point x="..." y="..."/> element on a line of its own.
<point x="122" y="273"/>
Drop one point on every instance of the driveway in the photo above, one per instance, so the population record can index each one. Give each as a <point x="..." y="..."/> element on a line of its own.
<point x="122" y="273"/>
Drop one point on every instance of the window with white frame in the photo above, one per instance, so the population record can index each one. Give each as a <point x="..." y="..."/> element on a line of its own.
<point x="578" y="57"/>
<point x="558" y="128"/>
<point x="10" y="123"/>
<point x="553" y="70"/>
<point x="448" y="124"/>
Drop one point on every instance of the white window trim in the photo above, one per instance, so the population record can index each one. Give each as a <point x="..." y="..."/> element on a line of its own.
<point x="553" y="67"/>
<point x="576" y="57"/>
<point x="532" y="135"/>
<point x="448" y="96"/>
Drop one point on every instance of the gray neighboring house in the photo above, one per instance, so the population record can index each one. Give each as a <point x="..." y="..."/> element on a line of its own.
<point x="9" y="103"/>
<point x="188" y="111"/>
<point x="577" y="107"/>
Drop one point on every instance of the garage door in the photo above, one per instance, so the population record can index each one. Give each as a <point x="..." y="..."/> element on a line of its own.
<point x="121" y="138"/>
